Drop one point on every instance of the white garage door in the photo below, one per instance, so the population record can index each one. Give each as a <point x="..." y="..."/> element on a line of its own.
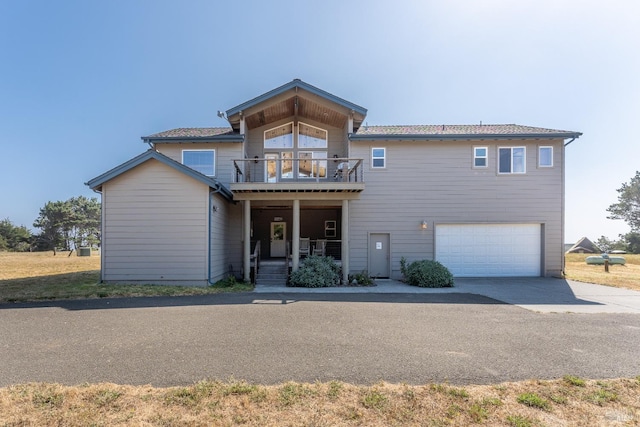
<point x="489" y="250"/>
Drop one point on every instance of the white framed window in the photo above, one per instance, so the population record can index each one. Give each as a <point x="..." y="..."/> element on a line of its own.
<point x="204" y="161"/>
<point x="279" y="137"/>
<point x="545" y="157"/>
<point x="311" y="136"/>
<point x="378" y="158"/>
<point x="278" y="166"/>
<point x="312" y="164"/>
<point x="480" y="157"/>
<point x="511" y="160"/>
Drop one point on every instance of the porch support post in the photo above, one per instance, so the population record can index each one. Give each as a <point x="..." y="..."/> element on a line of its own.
<point x="345" y="241"/>
<point x="295" y="236"/>
<point x="246" y="238"/>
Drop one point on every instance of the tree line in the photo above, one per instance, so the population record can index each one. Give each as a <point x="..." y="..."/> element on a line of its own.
<point x="65" y="225"/>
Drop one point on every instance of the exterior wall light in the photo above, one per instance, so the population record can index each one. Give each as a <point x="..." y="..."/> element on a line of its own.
<point x="423" y="225"/>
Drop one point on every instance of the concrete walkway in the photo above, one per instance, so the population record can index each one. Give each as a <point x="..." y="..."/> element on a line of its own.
<point x="545" y="295"/>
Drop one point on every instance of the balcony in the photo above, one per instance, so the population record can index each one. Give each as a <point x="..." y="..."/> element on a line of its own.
<point x="297" y="175"/>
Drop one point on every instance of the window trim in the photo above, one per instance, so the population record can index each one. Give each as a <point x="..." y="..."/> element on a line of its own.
<point x="511" y="171"/>
<point x="283" y="147"/>
<point x="309" y="147"/>
<point x="374" y="158"/>
<point x="485" y="157"/>
<point x="540" y="165"/>
<point x="213" y="162"/>
<point x="319" y="161"/>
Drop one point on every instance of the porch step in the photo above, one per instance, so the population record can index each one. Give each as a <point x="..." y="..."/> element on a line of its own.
<point x="272" y="273"/>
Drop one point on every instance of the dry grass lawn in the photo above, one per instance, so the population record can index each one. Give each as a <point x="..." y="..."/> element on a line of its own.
<point x="566" y="402"/>
<point x="43" y="276"/>
<point x="622" y="276"/>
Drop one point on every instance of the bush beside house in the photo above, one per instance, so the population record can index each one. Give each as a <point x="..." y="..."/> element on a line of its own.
<point x="426" y="274"/>
<point x="316" y="272"/>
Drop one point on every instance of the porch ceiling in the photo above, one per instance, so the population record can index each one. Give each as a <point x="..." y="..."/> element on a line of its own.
<point x="296" y="106"/>
<point x="329" y="190"/>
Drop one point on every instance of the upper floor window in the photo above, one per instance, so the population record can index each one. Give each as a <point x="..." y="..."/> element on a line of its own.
<point x="312" y="164"/>
<point x="279" y="137"/>
<point x="545" y="157"/>
<point x="378" y="157"/>
<point x="480" y="157"/>
<point x="511" y="160"/>
<point x="201" y="160"/>
<point x="311" y="136"/>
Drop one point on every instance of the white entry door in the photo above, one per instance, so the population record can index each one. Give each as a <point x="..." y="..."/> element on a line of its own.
<point x="490" y="250"/>
<point x="278" y="240"/>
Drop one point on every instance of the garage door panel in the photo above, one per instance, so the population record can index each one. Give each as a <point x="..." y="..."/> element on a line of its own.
<point x="489" y="250"/>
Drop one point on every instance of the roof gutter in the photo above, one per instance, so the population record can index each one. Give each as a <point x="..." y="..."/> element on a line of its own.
<point x="218" y="138"/>
<point x="436" y="137"/>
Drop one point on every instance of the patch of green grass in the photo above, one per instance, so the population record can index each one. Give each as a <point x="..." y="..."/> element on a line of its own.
<point x="478" y="413"/>
<point x="534" y="401"/>
<point x="558" y="398"/>
<point x="458" y="392"/>
<point x="106" y="397"/>
<point x="374" y="399"/>
<point x="519" y="421"/>
<point x="573" y="380"/>
<point x="190" y="396"/>
<point x="335" y="387"/>
<point x="601" y="397"/>
<point x="47" y="397"/>
<point x="453" y="411"/>
<point x="491" y="401"/>
<point x="291" y="393"/>
<point x="238" y="387"/>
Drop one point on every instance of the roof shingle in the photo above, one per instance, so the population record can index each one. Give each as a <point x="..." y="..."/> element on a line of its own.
<point x="480" y="129"/>
<point x="193" y="133"/>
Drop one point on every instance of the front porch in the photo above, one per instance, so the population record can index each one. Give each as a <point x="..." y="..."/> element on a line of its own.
<point x="286" y="230"/>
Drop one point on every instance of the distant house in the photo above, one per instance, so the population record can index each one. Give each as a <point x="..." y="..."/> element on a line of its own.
<point x="299" y="163"/>
<point x="584" y="246"/>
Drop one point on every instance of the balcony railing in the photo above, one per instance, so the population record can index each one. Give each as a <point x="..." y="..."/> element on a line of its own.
<point x="298" y="170"/>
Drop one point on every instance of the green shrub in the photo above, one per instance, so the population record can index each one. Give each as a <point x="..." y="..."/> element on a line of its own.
<point x="316" y="272"/>
<point x="426" y="274"/>
<point x="362" y="279"/>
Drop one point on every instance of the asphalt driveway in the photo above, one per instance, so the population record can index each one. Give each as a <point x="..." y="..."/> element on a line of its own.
<point x="274" y="337"/>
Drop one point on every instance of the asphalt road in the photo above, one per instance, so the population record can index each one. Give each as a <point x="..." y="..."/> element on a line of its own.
<point x="272" y="338"/>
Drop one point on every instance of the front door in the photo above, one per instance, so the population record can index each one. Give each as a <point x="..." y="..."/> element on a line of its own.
<point x="271" y="171"/>
<point x="379" y="255"/>
<point x="278" y="240"/>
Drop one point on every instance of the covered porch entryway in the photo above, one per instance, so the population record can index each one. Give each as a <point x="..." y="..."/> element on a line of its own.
<point x="291" y="228"/>
<point x="320" y="230"/>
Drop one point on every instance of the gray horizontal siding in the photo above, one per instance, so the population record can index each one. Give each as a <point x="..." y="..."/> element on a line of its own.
<point x="225" y="153"/>
<point x="435" y="181"/>
<point x="155" y="226"/>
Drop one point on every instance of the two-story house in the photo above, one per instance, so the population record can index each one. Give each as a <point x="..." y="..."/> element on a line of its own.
<point x="298" y="169"/>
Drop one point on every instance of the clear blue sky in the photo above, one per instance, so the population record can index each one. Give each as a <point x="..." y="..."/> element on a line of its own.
<point x="81" y="81"/>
